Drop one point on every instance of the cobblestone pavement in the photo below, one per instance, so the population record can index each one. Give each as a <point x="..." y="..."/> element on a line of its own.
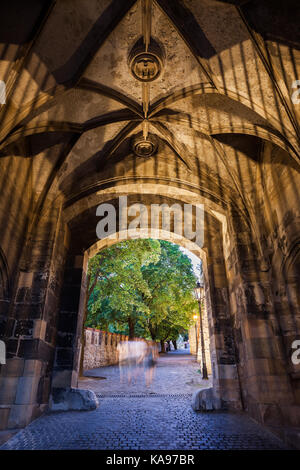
<point x="177" y="372"/>
<point x="143" y="423"/>
<point x="133" y="418"/>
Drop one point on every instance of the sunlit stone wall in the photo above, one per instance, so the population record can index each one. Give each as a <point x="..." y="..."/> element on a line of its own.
<point x="101" y="348"/>
<point x="193" y="342"/>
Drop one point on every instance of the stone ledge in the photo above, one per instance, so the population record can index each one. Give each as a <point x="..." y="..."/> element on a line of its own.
<point x="73" y="399"/>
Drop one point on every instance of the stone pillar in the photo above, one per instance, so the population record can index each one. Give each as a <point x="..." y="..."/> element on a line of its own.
<point x="226" y="381"/>
<point x="70" y="323"/>
<point x="223" y="352"/>
<point x="266" y="387"/>
<point x="31" y="325"/>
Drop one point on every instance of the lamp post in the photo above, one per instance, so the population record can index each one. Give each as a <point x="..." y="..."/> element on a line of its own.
<point x="199" y="295"/>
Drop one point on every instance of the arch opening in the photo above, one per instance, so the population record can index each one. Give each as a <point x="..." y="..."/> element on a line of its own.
<point x="167" y="328"/>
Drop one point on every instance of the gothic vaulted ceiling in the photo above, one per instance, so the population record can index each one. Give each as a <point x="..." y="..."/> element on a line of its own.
<point x="180" y="89"/>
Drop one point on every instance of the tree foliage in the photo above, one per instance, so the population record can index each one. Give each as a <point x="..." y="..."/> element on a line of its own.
<point x="141" y="287"/>
<point x="116" y="284"/>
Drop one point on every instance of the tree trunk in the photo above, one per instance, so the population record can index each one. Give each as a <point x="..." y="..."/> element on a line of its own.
<point x="152" y="332"/>
<point x="131" y="325"/>
<point x="174" y="341"/>
<point x="162" y="346"/>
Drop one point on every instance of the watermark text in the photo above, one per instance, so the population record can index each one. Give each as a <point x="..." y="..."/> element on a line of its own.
<point x="138" y="220"/>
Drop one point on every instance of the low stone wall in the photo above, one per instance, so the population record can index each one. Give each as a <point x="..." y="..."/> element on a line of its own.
<point x="101" y="348"/>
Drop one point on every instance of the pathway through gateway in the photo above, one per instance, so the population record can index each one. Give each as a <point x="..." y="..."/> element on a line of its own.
<point x="177" y="372"/>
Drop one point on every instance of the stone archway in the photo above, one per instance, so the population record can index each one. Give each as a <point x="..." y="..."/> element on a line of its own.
<point x="189" y="245"/>
<point x="218" y="126"/>
<point x="225" y="372"/>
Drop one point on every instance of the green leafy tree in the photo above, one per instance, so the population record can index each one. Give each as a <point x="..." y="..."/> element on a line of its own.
<point x="171" y="305"/>
<point x="116" y="287"/>
<point x="142" y="287"/>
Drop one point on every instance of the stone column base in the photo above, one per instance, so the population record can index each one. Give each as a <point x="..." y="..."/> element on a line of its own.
<point x="68" y="399"/>
<point x="206" y="400"/>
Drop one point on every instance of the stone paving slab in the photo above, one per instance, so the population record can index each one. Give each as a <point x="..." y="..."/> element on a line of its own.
<point x="166" y="423"/>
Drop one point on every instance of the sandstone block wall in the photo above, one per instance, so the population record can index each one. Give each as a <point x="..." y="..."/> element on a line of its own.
<point x="101" y="348"/>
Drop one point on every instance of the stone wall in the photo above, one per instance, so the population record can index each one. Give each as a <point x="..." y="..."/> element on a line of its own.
<point x="101" y="348"/>
<point x="193" y="342"/>
<point x="29" y="326"/>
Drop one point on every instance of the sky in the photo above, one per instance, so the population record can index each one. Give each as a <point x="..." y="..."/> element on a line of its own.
<point x="195" y="260"/>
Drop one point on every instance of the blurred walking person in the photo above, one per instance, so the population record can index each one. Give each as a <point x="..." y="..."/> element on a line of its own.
<point x="150" y="362"/>
<point x="122" y="349"/>
<point x="140" y="351"/>
<point x="131" y="362"/>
